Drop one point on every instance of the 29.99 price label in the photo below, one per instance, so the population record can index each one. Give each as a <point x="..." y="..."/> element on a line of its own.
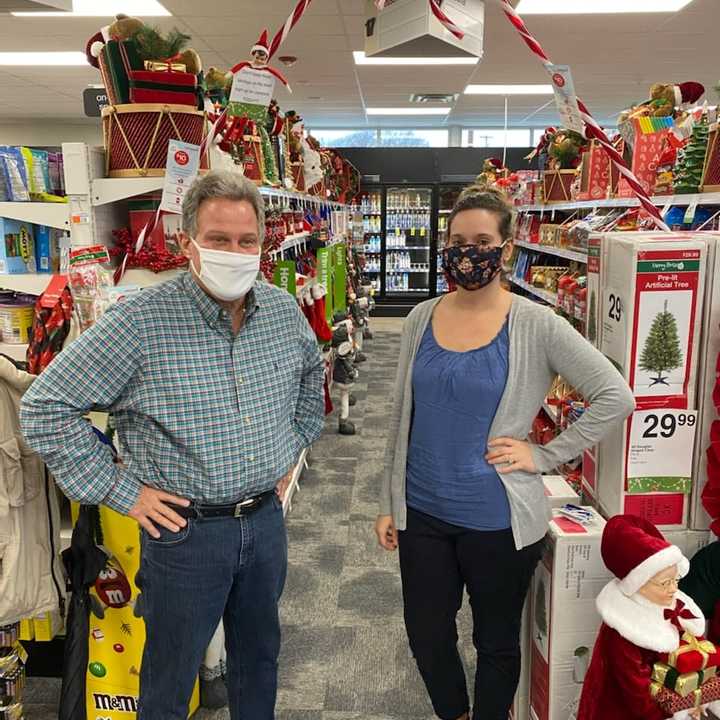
<point x="661" y="451"/>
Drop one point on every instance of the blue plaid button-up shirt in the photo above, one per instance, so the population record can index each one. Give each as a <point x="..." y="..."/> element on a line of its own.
<point x="200" y="412"/>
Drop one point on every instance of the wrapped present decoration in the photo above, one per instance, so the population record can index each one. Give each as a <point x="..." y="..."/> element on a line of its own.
<point x="165" y="66"/>
<point x="694" y="653"/>
<point x="154" y="86"/>
<point x="681" y="683"/>
<point x="670" y="702"/>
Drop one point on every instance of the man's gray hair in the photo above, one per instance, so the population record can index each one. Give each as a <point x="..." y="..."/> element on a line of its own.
<point x="221" y="184"/>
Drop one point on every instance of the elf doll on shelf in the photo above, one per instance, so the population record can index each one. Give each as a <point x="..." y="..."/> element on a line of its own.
<point x="250" y="99"/>
<point x="649" y="660"/>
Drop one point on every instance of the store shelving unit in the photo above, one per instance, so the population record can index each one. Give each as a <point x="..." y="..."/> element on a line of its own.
<point x="56" y="215"/>
<point x="557" y="252"/>
<point x="545" y="295"/>
<point x="659" y="200"/>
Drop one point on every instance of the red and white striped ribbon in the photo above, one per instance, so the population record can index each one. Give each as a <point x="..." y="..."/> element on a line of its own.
<point x="592" y="130"/>
<point x="439" y="14"/>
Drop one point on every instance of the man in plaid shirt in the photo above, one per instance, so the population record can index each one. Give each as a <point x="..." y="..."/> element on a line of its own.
<point x="216" y="385"/>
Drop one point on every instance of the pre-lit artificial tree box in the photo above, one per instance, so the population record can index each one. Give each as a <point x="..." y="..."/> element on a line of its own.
<point x="563" y="619"/>
<point x="707" y="455"/>
<point x="652" y="294"/>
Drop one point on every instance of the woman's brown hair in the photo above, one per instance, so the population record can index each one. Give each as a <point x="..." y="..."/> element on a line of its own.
<point x="475" y="197"/>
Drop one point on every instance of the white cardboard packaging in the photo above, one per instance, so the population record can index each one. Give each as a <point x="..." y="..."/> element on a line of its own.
<point x="708" y="358"/>
<point x="521" y="704"/>
<point x="563" y="618"/>
<point x="558" y="491"/>
<point x="689" y="541"/>
<point x="646" y="276"/>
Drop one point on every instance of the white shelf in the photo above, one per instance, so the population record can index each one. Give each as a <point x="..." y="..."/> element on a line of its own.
<point x="56" y="215"/>
<point x="147" y="278"/>
<point x="403" y="272"/>
<point x="659" y="200"/>
<point x="16" y="352"/>
<point x="291" y="241"/>
<point x="409" y="290"/>
<point x="110" y="190"/>
<point x="558" y="252"/>
<point x="31" y="283"/>
<point x="545" y="295"/>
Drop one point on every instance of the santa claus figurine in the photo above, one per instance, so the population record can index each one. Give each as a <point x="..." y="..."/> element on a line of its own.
<point x="644" y="615"/>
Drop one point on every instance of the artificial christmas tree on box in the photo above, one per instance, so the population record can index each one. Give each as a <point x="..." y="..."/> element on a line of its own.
<point x="563" y="614"/>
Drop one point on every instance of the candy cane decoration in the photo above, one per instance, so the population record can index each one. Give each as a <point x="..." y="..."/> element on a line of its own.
<point x="290" y="23"/>
<point x="438" y="13"/>
<point x="592" y="129"/>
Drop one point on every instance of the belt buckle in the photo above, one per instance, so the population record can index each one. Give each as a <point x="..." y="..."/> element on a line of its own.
<point x="242" y="506"/>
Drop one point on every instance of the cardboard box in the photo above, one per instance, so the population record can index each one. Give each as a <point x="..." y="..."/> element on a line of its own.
<point x="690" y="541"/>
<point x="563" y="616"/>
<point x="652" y="292"/>
<point x="707" y="374"/>
<point x="17" y="247"/>
<point x="594" y="173"/>
<point x="521" y="704"/>
<point x="47" y="249"/>
<point x="558" y="491"/>
<point x="644" y="276"/>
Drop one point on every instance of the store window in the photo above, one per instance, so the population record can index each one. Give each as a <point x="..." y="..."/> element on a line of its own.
<point x="414" y="138"/>
<point x="494" y="137"/>
<point x="365" y="137"/>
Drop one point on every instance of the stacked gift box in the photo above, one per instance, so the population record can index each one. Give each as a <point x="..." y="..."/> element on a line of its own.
<point x="129" y="79"/>
<point x="687" y="677"/>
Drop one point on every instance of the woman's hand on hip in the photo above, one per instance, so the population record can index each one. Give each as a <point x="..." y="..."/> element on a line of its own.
<point x="510" y="455"/>
<point x="386" y="532"/>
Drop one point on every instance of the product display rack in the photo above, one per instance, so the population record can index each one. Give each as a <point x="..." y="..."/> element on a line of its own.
<point x="712" y="198"/>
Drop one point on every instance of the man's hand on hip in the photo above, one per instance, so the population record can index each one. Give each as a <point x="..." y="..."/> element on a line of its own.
<point x="282" y="486"/>
<point x="152" y="508"/>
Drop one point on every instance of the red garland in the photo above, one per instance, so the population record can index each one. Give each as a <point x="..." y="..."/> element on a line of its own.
<point x="150" y="257"/>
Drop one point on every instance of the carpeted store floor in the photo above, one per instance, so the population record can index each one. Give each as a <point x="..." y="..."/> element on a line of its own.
<point x="345" y="654"/>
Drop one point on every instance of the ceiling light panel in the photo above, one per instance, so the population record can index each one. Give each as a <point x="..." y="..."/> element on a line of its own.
<point x="44" y="59"/>
<point x="105" y="8"/>
<point x="407" y="111"/>
<point x="509" y="90"/>
<point x="579" y="7"/>
<point x="362" y="59"/>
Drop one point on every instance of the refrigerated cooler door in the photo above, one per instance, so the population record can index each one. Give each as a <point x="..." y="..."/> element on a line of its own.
<point x="408" y="241"/>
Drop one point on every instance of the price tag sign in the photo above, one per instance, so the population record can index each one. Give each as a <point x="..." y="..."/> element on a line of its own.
<point x="422" y="232"/>
<point x="565" y="97"/>
<point x="661" y="450"/>
<point x="183" y="163"/>
<point x="614" y="321"/>
<point x="690" y="213"/>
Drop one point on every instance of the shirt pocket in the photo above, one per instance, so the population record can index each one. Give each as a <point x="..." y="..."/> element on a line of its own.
<point x="12" y="491"/>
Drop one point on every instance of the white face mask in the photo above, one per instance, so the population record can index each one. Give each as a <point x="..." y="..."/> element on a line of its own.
<point x="227" y="275"/>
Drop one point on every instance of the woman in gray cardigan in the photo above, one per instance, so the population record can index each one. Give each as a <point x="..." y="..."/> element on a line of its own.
<point x="462" y="495"/>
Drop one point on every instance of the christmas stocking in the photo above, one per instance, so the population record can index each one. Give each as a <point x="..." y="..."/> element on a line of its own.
<point x="321" y="327"/>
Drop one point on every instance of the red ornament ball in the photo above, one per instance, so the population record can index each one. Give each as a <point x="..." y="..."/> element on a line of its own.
<point x="118" y="648"/>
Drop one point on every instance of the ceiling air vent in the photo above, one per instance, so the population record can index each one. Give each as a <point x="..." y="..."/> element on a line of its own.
<point x="443" y="98"/>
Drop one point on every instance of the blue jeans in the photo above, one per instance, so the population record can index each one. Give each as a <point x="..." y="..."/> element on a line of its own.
<point x="229" y="568"/>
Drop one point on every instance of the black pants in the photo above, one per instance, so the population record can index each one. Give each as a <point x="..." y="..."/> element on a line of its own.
<point x="436" y="561"/>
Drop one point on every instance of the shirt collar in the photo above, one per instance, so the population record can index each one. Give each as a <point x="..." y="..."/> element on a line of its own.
<point x="212" y="312"/>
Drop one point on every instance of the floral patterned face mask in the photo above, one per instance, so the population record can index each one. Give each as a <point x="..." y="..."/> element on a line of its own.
<point x="471" y="267"/>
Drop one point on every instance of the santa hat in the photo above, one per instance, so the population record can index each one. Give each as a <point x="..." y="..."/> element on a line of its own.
<point x="93" y="48"/>
<point x="688" y="92"/>
<point x="634" y="550"/>
<point x="495" y="162"/>
<point x="262" y="44"/>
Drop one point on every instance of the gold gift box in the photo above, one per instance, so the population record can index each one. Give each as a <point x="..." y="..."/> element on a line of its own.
<point x="163" y="66"/>
<point x="682" y="684"/>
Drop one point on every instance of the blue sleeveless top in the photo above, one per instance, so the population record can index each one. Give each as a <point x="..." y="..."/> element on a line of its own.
<point x="455" y="398"/>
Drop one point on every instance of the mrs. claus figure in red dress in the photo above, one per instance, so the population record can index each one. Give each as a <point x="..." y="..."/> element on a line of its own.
<point x="643" y="612"/>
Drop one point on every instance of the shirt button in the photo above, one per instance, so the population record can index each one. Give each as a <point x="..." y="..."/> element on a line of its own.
<point x="251" y="458"/>
<point x="247" y="421"/>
